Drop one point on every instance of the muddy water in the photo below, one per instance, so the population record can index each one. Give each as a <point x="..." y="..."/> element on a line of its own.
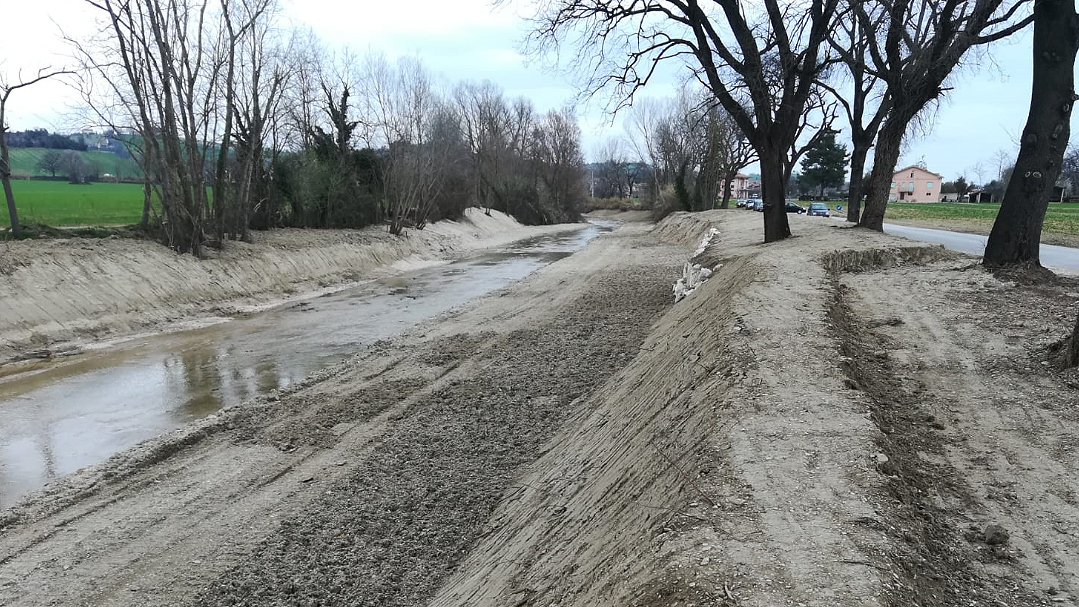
<point x="80" y="411"/>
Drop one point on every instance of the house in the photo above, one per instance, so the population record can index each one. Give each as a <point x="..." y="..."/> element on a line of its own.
<point x="915" y="184"/>
<point x="738" y="186"/>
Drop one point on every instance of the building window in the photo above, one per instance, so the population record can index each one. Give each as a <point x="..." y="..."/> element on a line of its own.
<point x="893" y="184"/>
<point x="929" y="185"/>
<point x="912" y="174"/>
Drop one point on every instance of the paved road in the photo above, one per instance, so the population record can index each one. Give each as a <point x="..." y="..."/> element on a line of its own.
<point x="1053" y="257"/>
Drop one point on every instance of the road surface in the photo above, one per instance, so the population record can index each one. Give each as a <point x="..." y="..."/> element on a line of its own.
<point x="1052" y="256"/>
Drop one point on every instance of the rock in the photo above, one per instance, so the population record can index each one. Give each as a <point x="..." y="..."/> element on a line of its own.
<point x="995" y="535"/>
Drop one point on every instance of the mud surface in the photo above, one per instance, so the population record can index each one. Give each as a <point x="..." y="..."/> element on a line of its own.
<point x="838" y="419"/>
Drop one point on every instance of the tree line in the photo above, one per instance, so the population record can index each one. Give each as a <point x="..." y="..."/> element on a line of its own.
<point x="239" y="124"/>
<point x="786" y="72"/>
<point x="41" y="138"/>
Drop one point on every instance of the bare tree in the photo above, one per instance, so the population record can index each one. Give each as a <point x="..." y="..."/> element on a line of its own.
<point x="255" y="100"/>
<point x="561" y="166"/>
<point x="1016" y="234"/>
<point x="50" y="162"/>
<point x="153" y="62"/>
<point x="734" y="152"/>
<point x="914" y="46"/>
<point x="760" y="61"/>
<point x="609" y="170"/>
<point x="170" y="71"/>
<point x="404" y="111"/>
<point x="305" y="62"/>
<point x="240" y="18"/>
<point x="865" y="103"/>
<point x="486" y="122"/>
<point x="642" y="129"/>
<point x="74" y="165"/>
<point x="6" y="89"/>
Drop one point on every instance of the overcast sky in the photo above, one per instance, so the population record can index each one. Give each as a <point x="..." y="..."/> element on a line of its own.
<point x="471" y="40"/>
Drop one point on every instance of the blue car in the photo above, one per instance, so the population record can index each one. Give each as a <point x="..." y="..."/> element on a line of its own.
<point x="818" y="209"/>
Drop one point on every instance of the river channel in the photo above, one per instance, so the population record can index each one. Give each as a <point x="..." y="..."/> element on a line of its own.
<point x="80" y="411"/>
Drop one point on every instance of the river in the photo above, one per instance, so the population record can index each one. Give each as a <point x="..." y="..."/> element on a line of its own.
<point x="78" y="411"/>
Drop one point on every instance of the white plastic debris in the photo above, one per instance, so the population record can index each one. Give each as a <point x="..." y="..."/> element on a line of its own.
<point x="693" y="275"/>
<point x="705" y="242"/>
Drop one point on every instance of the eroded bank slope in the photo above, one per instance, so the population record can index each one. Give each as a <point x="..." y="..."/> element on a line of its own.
<point x="59" y="293"/>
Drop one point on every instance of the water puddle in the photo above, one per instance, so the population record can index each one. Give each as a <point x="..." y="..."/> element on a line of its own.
<point x="80" y="411"/>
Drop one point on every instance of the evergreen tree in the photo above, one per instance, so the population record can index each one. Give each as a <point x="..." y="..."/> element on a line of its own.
<point x="825" y="164"/>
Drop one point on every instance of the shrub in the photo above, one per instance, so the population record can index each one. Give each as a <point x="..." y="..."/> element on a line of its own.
<point x="666" y="203"/>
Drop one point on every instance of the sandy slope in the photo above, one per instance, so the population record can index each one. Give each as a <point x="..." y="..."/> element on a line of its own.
<point x="61" y="294"/>
<point x="838" y="419"/>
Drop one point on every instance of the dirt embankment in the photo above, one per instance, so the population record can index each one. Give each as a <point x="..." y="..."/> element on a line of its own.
<point x="838" y="419"/>
<point x="60" y="294"/>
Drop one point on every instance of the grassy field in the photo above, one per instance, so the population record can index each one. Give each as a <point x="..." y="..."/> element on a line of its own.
<point x="57" y="203"/>
<point x="24" y="163"/>
<point x="1062" y="219"/>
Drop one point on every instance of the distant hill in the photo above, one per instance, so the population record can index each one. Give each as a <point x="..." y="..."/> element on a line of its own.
<point x="24" y="163"/>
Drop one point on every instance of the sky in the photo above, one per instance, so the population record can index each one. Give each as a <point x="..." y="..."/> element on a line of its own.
<point x="981" y="116"/>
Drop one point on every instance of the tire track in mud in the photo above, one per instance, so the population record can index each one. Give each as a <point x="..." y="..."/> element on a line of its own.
<point x="931" y="559"/>
<point x="394" y="527"/>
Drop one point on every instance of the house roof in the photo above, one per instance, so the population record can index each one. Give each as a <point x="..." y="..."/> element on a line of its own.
<point x="914" y="166"/>
<point x="741" y="176"/>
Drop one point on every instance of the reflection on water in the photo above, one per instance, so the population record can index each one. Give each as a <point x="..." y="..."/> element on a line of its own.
<point x="77" y="412"/>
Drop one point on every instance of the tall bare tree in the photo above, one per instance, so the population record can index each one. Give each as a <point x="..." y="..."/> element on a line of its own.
<point x="759" y="60"/>
<point x="171" y="71"/>
<point x="561" y="167"/>
<point x="6" y="89"/>
<point x="734" y="152"/>
<point x="404" y="111"/>
<point x="866" y="102"/>
<point x="913" y="47"/>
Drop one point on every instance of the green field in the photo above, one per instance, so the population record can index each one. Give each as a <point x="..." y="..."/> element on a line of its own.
<point x="58" y="203"/>
<point x="1061" y="218"/>
<point x="24" y="163"/>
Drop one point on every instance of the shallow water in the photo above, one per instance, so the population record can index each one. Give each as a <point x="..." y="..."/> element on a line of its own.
<point x="77" y="412"/>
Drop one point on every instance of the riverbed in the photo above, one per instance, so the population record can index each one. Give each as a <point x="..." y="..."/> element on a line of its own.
<point x="78" y="411"/>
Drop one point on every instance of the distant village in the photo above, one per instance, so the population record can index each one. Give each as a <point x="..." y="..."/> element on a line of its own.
<point x="912" y="183"/>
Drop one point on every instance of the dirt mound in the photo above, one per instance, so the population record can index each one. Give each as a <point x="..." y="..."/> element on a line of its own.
<point x="762" y="449"/>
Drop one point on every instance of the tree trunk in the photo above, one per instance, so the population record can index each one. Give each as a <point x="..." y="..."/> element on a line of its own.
<point x="857" y="181"/>
<point x="5" y="177"/>
<point x="13" y="213"/>
<point x="5" y="174"/>
<point x="1016" y="234"/>
<point x="728" y="178"/>
<point x="773" y="193"/>
<point x="889" y="143"/>
<point x="144" y="222"/>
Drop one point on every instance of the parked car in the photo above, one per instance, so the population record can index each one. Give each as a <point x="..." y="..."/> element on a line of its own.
<point x="795" y="208"/>
<point x="818" y="209"/>
<point x="741" y="203"/>
<point x="758" y="205"/>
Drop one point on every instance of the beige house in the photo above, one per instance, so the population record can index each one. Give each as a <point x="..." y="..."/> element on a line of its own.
<point x="738" y="186"/>
<point x="915" y="184"/>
